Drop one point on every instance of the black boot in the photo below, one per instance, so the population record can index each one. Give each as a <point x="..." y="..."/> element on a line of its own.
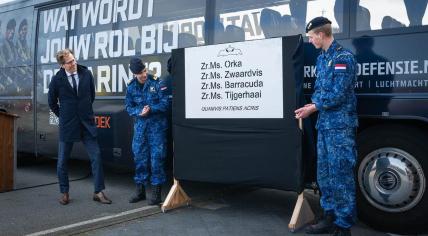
<point x="156" y="195"/>
<point x="339" y="231"/>
<point x="324" y="226"/>
<point x="140" y="194"/>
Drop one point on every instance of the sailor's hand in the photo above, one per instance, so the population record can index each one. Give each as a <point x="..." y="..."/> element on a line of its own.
<point x="146" y="110"/>
<point x="305" y="111"/>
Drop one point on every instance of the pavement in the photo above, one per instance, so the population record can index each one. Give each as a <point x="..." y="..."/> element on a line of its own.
<point x="34" y="206"/>
<point x="216" y="209"/>
<point x="236" y="212"/>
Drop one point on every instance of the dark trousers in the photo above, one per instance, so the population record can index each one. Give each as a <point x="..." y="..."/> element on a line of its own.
<point x="64" y="151"/>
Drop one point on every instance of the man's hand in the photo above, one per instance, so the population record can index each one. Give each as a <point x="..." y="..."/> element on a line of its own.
<point x="305" y="111"/>
<point x="145" y="111"/>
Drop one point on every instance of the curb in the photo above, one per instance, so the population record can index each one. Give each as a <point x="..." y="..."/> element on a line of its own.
<point x="101" y="222"/>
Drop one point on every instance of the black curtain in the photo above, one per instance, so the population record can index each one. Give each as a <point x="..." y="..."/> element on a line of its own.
<point x="256" y="152"/>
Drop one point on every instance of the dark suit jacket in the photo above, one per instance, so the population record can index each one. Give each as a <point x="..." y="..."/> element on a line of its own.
<point x="76" y="117"/>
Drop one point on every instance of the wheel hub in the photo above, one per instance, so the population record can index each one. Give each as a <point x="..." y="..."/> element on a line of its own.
<point x="388" y="180"/>
<point x="391" y="179"/>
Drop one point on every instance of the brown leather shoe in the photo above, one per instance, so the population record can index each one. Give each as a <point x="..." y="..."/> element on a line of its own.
<point x="65" y="199"/>
<point x="102" y="198"/>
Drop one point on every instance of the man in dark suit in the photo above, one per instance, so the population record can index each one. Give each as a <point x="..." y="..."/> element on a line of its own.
<point x="71" y="94"/>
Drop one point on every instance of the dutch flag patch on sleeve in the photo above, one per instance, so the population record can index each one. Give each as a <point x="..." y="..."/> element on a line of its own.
<point x="340" y="68"/>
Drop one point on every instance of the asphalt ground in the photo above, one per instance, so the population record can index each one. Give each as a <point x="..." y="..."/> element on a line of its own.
<point x="216" y="209"/>
<point x="34" y="206"/>
<point x="235" y="212"/>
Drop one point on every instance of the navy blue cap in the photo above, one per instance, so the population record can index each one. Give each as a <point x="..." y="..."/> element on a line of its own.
<point x="136" y="65"/>
<point x="317" y="22"/>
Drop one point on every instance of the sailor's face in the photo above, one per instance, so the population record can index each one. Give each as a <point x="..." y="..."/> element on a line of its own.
<point x="142" y="76"/>
<point x="315" y="39"/>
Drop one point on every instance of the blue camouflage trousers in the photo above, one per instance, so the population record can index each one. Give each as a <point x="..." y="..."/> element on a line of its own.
<point x="149" y="148"/>
<point x="335" y="174"/>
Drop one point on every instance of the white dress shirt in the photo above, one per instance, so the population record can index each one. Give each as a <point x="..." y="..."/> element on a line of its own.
<point x="70" y="79"/>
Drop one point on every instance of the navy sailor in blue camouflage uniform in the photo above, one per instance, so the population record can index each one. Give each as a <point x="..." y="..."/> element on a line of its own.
<point x="147" y="102"/>
<point x="334" y="100"/>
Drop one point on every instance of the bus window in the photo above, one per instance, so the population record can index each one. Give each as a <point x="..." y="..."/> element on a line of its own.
<point x="105" y="34"/>
<point x="163" y="25"/>
<point x="387" y="14"/>
<point x="51" y="37"/>
<point x="257" y="19"/>
<point x="91" y="27"/>
<point x="333" y="10"/>
<point x="122" y="28"/>
<point x="187" y="16"/>
<point x="15" y="53"/>
<point x="252" y="19"/>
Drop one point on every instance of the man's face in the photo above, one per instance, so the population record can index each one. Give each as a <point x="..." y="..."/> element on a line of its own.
<point x="9" y="34"/>
<point x="70" y="64"/>
<point x="142" y="76"/>
<point x="23" y="32"/>
<point x="315" y="39"/>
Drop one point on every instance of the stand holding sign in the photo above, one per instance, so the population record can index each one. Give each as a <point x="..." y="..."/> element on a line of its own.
<point x="176" y="198"/>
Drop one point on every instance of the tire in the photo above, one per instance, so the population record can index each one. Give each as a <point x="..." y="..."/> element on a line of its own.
<point x="392" y="173"/>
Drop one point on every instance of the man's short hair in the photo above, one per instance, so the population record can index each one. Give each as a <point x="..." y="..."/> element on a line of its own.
<point x="61" y="54"/>
<point x="326" y="29"/>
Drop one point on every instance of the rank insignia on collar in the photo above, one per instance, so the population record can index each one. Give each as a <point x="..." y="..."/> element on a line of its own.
<point x="152" y="89"/>
<point x="329" y="63"/>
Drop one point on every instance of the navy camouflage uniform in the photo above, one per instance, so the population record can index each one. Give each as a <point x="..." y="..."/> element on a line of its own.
<point x="149" y="141"/>
<point x="335" y="101"/>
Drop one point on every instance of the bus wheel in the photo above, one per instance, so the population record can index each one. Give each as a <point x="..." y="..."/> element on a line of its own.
<point x="392" y="186"/>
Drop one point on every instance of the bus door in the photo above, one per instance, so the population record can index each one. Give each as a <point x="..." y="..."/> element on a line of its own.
<point x="52" y="33"/>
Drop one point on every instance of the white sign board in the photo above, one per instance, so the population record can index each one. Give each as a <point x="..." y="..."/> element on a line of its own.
<point x="235" y="80"/>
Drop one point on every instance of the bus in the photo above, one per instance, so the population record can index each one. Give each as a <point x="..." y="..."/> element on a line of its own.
<point x="386" y="36"/>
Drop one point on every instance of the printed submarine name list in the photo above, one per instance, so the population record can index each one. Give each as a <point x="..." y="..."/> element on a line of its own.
<point x="212" y="81"/>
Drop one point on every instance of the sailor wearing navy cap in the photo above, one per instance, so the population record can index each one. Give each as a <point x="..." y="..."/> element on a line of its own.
<point x="317" y="22"/>
<point x="335" y="102"/>
<point x="147" y="102"/>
